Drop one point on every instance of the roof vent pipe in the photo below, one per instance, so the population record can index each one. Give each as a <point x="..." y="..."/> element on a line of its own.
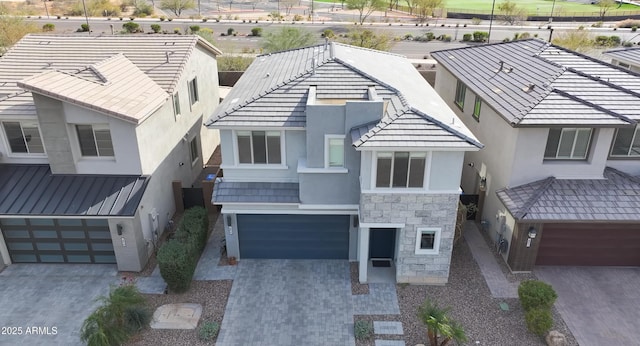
<point x="501" y="65"/>
<point x="167" y="56"/>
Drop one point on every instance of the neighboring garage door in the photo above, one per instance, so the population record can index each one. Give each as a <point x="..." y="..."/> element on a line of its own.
<point x="294" y="236"/>
<point x="590" y="245"/>
<point x="58" y="240"/>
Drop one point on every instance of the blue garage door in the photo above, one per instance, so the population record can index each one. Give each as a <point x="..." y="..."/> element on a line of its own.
<point x="294" y="236"/>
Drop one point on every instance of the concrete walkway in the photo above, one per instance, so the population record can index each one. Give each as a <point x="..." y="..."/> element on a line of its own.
<point x="601" y="305"/>
<point x="498" y="284"/>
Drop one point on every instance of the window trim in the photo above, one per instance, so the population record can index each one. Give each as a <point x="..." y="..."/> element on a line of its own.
<point x="436" y="242"/>
<point x="176" y="104"/>
<point x="573" y="147"/>
<point x="628" y="156"/>
<point x="28" y="154"/>
<point x="192" y="85"/>
<point x="327" y="140"/>
<point x="95" y="142"/>
<point x="236" y="153"/>
<point x="191" y="141"/>
<point x="461" y="91"/>
<point x="425" y="176"/>
<point x="477" y="108"/>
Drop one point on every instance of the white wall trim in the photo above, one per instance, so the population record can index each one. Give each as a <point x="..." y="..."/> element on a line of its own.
<point x="404" y="191"/>
<point x="352" y="207"/>
<point x="65" y="217"/>
<point x="236" y="158"/>
<point x="254" y="167"/>
<point x="302" y="168"/>
<point x="327" y="138"/>
<point x="436" y="243"/>
<point x="381" y="225"/>
<point x="471" y="148"/>
<point x="239" y="211"/>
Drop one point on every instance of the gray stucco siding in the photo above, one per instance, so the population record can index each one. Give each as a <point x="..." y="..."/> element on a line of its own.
<point x="322" y="120"/>
<point x="329" y="188"/>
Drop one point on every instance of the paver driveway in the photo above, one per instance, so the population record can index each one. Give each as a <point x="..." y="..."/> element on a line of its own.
<point x="50" y="295"/>
<point x="601" y="305"/>
<point x="289" y="302"/>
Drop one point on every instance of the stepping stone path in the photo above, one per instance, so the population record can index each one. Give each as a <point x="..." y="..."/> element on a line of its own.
<point x="388" y="328"/>
<point x="177" y="316"/>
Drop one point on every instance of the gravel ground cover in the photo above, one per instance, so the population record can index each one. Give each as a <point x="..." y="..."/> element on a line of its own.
<point x="356" y="286"/>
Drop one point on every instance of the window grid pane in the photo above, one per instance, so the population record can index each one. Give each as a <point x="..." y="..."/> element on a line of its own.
<point x="336" y="152"/>
<point x="383" y="172"/>
<point x="476" y="108"/>
<point x="581" y="144"/>
<point x="259" y="147"/>
<point x="193" y="148"/>
<point x="400" y="169"/>
<point x="244" y="147"/>
<point x="460" y="93"/>
<point x="416" y="171"/>
<point x="15" y="137"/>
<point x="565" y="147"/>
<point x="273" y="148"/>
<point x="427" y="240"/>
<point x="86" y="140"/>
<point x="176" y="104"/>
<point x="103" y="141"/>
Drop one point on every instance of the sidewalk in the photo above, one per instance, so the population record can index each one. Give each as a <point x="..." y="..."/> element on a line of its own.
<point x="498" y="284"/>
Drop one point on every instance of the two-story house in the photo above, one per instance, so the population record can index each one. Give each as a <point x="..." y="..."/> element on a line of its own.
<point x="93" y="130"/>
<point x="340" y="152"/>
<point x="560" y="164"/>
<point x="628" y="58"/>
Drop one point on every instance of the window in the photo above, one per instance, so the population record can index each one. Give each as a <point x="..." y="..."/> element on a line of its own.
<point x="626" y="143"/>
<point x="427" y="241"/>
<point x="24" y="137"/>
<point x="571" y="144"/>
<point x="259" y="147"/>
<point x="95" y="140"/>
<point x="400" y="169"/>
<point x="193" y="91"/>
<point x="193" y="149"/>
<point x="334" y="151"/>
<point x="460" y="91"/>
<point x="623" y="65"/>
<point x="176" y="104"/>
<point x="476" y="108"/>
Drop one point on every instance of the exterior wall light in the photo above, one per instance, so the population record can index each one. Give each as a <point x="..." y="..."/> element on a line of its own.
<point x="531" y="234"/>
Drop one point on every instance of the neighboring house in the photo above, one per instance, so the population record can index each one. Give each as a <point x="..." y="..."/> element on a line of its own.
<point x="628" y="58"/>
<point x="562" y="151"/>
<point x="339" y="152"/>
<point x="93" y="130"/>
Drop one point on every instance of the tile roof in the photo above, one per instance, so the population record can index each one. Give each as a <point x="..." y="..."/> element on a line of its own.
<point x="534" y="83"/>
<point x="273" y="92"/>
<point x="255" y="192"/>
<point x="34" y="190"/>
<point x="629" y="55"/>
<point x="614" y="198"/>
<point x="122" y="90"/>
<point x="161" y="57"/>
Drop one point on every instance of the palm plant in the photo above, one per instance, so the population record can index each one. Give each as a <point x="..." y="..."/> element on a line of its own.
<point x="440" y="328"/>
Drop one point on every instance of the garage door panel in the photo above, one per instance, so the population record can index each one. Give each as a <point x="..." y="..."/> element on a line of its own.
<point x="294" y="236"/>
<point x="590" y="245"/>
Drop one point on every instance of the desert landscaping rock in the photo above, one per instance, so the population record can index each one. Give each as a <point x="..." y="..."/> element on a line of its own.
<point x="555" y="338"/>
<point x="177" y="316"/>
<point x="384" y="327"/>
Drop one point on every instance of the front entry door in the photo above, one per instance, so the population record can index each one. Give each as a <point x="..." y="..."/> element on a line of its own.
<point x="382" y="242"/>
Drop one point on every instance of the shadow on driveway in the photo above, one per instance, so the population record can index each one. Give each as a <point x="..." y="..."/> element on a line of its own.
<point x="50" y="295"/>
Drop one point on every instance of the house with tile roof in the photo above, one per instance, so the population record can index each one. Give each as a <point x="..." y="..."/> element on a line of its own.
<point x="339" y="152"/>
<point x="558" y="177"/>
<point x="628" y="58"/>
<point x="93" y="131"/>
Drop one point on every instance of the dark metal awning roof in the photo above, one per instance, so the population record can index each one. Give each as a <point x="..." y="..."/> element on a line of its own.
<point x="31" y="190"/>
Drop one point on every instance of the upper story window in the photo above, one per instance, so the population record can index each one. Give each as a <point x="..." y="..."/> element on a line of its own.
<point x="176" y="104"/>
<point x="95" y="140"/>
<point x="400" y="169"/>
<point x="626" y="143"/>
<point x="568" y="144"/>
<point x="334" y="151"/>
<point x="193" y="91"/>
<point x="193" y="150"/>
<point x="23" y="137"/>
<point x="477" y="106"/>
<point x="259" y="147"/>
<point x="461" y="89"/>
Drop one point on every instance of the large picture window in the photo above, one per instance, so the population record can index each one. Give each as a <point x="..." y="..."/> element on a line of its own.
<point x="568" y="144"/>
<point x="400" y="169"/>
<point x="94" y="140"/>
<point x="626" y="143"/>
<point x="259" y="147"/>
<point x="24" y="137"/>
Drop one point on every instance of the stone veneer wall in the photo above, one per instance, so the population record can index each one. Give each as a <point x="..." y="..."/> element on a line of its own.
<point x="415" y="211"/>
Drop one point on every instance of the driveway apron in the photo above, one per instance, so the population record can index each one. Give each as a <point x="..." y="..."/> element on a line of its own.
<point x="601" y="305"/>
<point x="289" y="302"/>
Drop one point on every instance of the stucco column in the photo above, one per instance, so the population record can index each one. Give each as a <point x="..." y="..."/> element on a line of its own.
<point x="363" y="253"/>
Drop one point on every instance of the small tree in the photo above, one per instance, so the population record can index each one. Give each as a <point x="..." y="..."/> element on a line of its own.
<point x="177" y="6"/>
<point x="440" y="328"/>
<point x="131" y="27"/>
<point x="48" y="27"/>
<point x="369" y="39"/>
<point x="287" y="38"/>
<point x="576" y="40"/>
<point x="511" y="13"/>
<point x="425" y="8"/>
<point x="156" y="28"/>
<point x="288" y="5"/>
<point x="12" y="29"/>
<point x="366" y="7"/>
<point x="604" y="6"/>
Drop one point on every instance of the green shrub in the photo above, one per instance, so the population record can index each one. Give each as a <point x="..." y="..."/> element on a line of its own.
<point x="634" y="28"/>
<point x="539" y="321"/>
<point x="230" y="31"/>
<point x="156" y="28"/>
<point x="194" y="227"/>
<point x="614" y="41"/>
<point x="328" y="33"/>
<point x="136" y="318"/>
<point x="602" y="40"/>
<point x="466" y="37"/>
<point x="480" y="36"/>
<point x="445" y="38"/>
<point x="536" y="294"/>
<point x="208" y="331"/>
<point x="48" y="27"/>
<point x="363" y="330"/>
<point x="131" y="27"/>
<point x="194" y="28"/>
<point x="143" y="9"/>
<point x="83" y="28"/>
<point x="177" y="31"/>
<point x="476" y="21"/>
<point x="177" y="262"/>
<point x="257" y="32"/>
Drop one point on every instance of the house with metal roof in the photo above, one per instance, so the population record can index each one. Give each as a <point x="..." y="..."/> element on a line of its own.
<point x="558" y="177"/>
<point x="93" y="131"/>
<point x="339" y="152"/>
<point x="628" y="58"/>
